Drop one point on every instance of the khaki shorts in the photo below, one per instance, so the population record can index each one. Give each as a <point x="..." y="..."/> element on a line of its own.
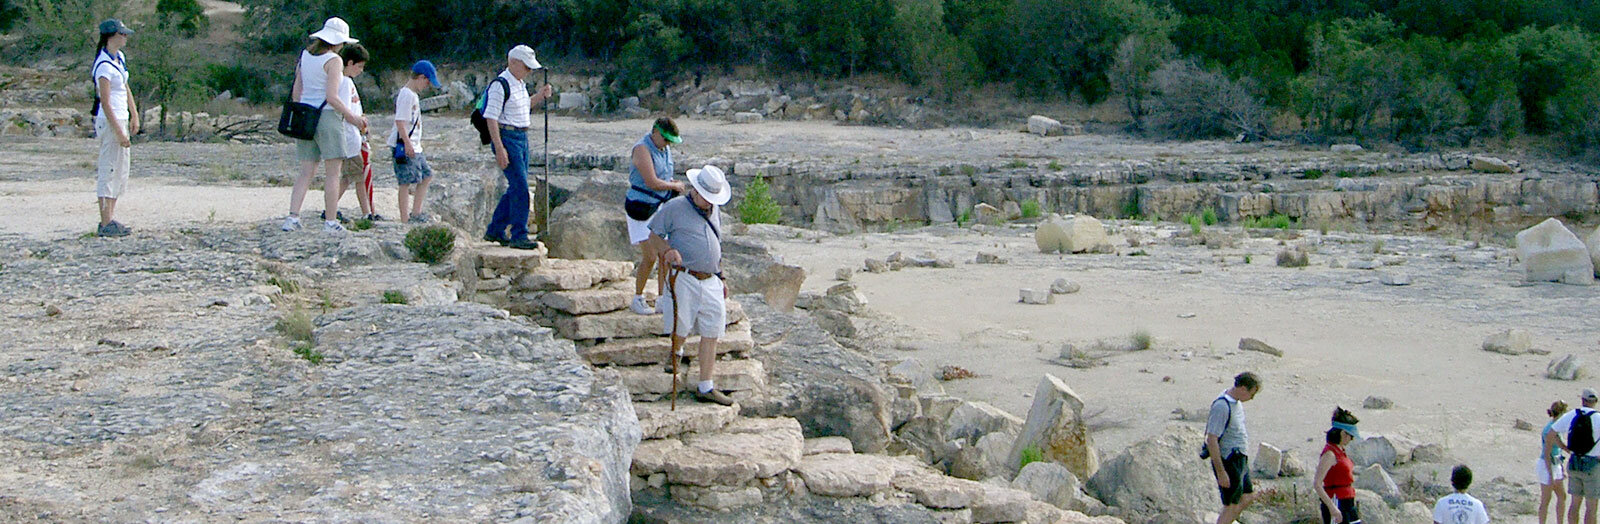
<point x="352" y="171"/>
<point x="329" y="142"/>
<point x="1584" y="483"/>
<point x="111" y="172"/>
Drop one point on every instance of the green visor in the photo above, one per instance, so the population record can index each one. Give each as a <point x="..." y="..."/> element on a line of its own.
<point x="671" y="138"/>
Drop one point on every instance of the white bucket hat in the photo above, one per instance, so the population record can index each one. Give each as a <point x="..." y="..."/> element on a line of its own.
<point x="335" y="32"/>
<point x="525" y="54"/>
<point x="711" y="184"/>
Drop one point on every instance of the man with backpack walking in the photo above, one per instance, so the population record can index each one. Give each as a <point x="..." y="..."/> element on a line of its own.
<point x="1583" y="471"/>
<point x="1226" y="442"/>
<point x="507" y="112"/>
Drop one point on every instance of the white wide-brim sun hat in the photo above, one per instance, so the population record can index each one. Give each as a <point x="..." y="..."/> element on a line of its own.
<point x="335" y="31"/>
<point x="711" y="184"/>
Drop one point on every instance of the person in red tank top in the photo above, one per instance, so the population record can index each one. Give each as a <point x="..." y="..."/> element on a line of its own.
<point x="1335" y="480"/>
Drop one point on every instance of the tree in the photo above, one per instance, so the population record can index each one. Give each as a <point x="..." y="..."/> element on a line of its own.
<point x="1192" y="102"/>
<point x="1137" y="57"/>
<point x="927" y="54"/>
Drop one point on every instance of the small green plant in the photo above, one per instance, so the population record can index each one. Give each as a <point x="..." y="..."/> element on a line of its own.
<point x="964" y="219"/>
<point x="296" y="326"/>
<point x="1140" y="340"/>
<point x="758" y="206"/>
<point x="1247" y="259"/>
<point x="284" y="284"/>
<point x="88" y="235"/>
<point x="1030" y="209"/>
<point x="969" y="170"/>
<point x="1055" y="166"/>
<point x="431" y="244"/>
<point x="1346" y="173"/>
<point x="326" y="301"/>
<point x="1016" y="164"/>
<point x="1030" y="454"/>
<point x="1312" y="174"/>
<point x="361" y="224"/>
<point x="1376" y="247"/>
<point x="1209" y="217"/>
<point x="1131" y="207"/>
<point x="1138" y="253"/>
<point x="394" y="297"/>
<point x="1195" y="223"/>
<point x="211" y="217"/>
<point x="1276" y="221"/>
<point x="308" y="352"/>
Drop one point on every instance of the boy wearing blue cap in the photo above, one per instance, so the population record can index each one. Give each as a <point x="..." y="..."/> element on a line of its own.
<point x="405" y="143"/>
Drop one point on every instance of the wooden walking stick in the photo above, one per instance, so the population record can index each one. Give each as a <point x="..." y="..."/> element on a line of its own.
<point x="672" y="352"/>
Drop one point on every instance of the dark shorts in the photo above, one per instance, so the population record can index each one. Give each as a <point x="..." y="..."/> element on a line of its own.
<point x="1237" y="465"/>
<point x="1347" y="508"/>
<point x="413" y="171"/>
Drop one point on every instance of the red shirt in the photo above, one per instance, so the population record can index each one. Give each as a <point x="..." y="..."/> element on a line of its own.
<point x="1341" y="478"/>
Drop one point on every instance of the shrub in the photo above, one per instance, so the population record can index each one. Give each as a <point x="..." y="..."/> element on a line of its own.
<point x="1030" y="208"/>
<point x="63" y="26"/>
<point x="1137" y="57"/>
<point x="1209" y="216"/>
<point x="296" y="326"/>
<point x="1030" y="454"/>
<point x="1016" y="164"/>
<point x="927" y="53"/>
<point x="1192" y="103"/>
<point x="431" y="244"/>
<point x="284" y="284"/>
<point x="187" y="16"/>
<point x="1276" y="221"/>
<point x="1293" y="258"/>
<point x="758" y="206"/>
<point x="653" y="53"/>
<point x="1311" y="174"/>
<point x="361" y="224"/>
<point x="394" y="297"/>
<point x="308" y="352"/>
<point x="1140" y="340"/>
<point x="1195" y="223"/>
<point x="1054" y="165"/>
<point x="964" y="219"/>
<point x="1576" y="112"/>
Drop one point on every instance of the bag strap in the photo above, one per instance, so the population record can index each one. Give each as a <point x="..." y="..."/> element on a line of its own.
<point x="652" y="193"/>
<point x="507" y="85"/>
<point x="1229" y="420"/>
<point x="706" y="215"/>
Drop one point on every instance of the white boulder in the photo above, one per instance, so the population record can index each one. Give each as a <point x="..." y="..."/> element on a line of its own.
<point x="1551" y="253"/>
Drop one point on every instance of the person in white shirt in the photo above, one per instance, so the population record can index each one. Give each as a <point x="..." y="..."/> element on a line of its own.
<point x="1583" y="473"/>
<point x="357" y="169"/>
<point x="116" y="119"/>
<point x="411" y="168"/>
<point x="508" y="110"/>
<point x="316" y="83"/>
<point x="1459" y="507"/>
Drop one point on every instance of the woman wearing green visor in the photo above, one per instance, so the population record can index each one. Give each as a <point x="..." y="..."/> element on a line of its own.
<point x="650" y="184"/>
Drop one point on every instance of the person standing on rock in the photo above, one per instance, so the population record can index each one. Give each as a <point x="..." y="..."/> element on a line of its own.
<point x="116" y="119"/>
<point x="1335" y="480"/>
<point x="1226" y="442"/>
<point x="357" y="169"/>
<point x="508" y="110"/>
<point x="411" y="168"/>
<point x="1459" y="507"/>
<point x="650" y="184"/>
<point x="1548" y="469"/>
<point x="687" y="232"/>
<point x="316" y="83"/>
<point x="1583" y="469"/>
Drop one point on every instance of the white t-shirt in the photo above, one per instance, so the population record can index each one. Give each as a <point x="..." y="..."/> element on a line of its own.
<point x="1563" y="426"/>
<point x="1460" y="508"/>
<point x="114" y="70"/>
<point x="347" y="92"/>
<point x="518" y="110"/>
<point x="408" y="109"/>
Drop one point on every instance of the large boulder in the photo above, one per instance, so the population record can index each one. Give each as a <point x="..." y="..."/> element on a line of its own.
<point x="1489" y="164"/>
<point x="1509" y="342"/>
<point x="1551" y="253"/>
<point x="1055" y="426"/>
<point x="1376" y="479"/>
<point x="1045" y="126"/>
<point x="1157" y="475"/>
<point x="750" y="267"/>
<point x="589" y="229"/>
<point x="970" y="421"/>
<point x="985" y="459"/>
<point x="831" y="390"/>
<point x="1070" y="234"/>
<point x="1375" y="450"/>
<point x="1053" y="483"/>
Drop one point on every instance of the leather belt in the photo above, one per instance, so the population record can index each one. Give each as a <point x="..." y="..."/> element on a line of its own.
<point x="698" y="275"/>
<point x="504" y="127"/>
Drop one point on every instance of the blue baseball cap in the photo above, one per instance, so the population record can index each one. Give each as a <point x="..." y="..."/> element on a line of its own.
<point x="425" y="68"/>
<point x="114" y="26"/>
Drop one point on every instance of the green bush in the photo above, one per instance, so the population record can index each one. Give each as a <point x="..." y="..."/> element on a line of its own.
<point x="1209" y="216"/>
<point x="431" y="244"/>
<point x="927" y="54"/>
<point x="1276" y="221"/>
<point x="1196" y="224"/>
<point x="187" y="16"/>
<point x="758" y="207"/>
<point x="61" y="26"/>
<point x="1030" y="454"/>
<point x="1030" y="208"/>
<point x="394" y="297"/>
<point x="1140" y="340"/>
<point x="296" y="326"/>
<point x="259" y="85"/>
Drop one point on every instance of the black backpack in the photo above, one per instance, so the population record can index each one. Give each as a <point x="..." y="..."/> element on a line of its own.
<point x="1581" y="439"/>
<point x="480" y="123"/>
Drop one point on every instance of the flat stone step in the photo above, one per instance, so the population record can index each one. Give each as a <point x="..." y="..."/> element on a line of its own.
<point x="505" y="260"/>
<point x="650" y="382"/>
<point x="658" y="420"/>
<point x="846" y="475"/>
<point x="745" y="450"/>
<point x="622" y="324"/>
<point x="559" y="274"/>
<point x="653" y="350"/>
<point x="587" y="301"/>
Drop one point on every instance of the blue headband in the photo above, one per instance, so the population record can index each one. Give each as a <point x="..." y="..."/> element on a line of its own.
<point x="1348" y="428"/>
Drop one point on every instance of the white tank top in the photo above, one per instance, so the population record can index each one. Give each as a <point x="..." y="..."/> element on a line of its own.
<point x="313" y="80"/>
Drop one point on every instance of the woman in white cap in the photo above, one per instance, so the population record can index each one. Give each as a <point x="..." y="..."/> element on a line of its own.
<point x="116" y="118"/>
<point x="316" y="83"/>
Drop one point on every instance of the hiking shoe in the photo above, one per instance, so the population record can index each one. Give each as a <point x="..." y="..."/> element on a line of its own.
<point x="375" y="217"/>
<point x="683" y="365"/>
<point x="640" y="307"/>
<point x="713" y="396"/>
<point x="330" y="226"/>
<point x="522" y="244"/>
<point x="339" y="215"/>
<point x="495" y="239"/>
<point x="112" y="229"/>
<point x="419" y="219"/>
<point x="291" y="223"/>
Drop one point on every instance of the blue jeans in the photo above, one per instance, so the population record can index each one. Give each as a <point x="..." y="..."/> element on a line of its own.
<point x="512" y="212"/>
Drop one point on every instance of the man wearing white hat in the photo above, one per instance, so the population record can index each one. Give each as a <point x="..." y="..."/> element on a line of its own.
<point x="508" y="109"/>
<point x="687" y="232"/>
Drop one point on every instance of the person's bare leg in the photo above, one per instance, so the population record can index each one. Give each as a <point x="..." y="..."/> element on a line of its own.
<point x="108" y="208"/>
<point x="641" y="274"/>
<point x="1544" y="502"/>
<point x="421" y="193"/>
<point x="708" y="358"/>
<point x="363" y="199"/>
<point x="1230" y="513"/>
<point x="302" y="183"/>
<point x="1561" y="501"/>
<point x="330" y="189"/>
<point x="1588" y="510"/>
<point x="1574" y="510"/>
<point x="404" y="201"/>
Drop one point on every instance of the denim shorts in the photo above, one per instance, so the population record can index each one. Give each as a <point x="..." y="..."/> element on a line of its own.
<point x="413" y="171"/>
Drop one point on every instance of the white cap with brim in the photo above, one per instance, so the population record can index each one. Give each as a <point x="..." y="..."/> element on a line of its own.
<point x="1588" y="394"/>
<point x="335" y="31"/>
<point x="711" y="184"/>
<point x="524" y="54"/>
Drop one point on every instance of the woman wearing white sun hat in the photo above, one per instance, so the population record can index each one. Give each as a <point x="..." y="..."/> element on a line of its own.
<point x="316" y="83"/>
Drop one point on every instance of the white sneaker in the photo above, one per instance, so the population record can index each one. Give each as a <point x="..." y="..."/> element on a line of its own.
<point x="332" y="226"/>
<point x="640" y="307"/>
<point x="291" y="223"/>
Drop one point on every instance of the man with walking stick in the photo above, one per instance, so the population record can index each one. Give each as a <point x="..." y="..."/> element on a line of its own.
<point x="687" y="231"/>
<point x="508" y="110"/>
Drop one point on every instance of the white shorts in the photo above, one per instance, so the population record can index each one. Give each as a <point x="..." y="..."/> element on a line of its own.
<point x="701" y="309"/>
<point x="1542" y="474"/>
<point x="111" y="173"/>
<point x="638" y="231"/>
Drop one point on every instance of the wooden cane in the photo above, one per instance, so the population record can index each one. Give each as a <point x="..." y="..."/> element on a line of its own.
<point x="672" y="352"/>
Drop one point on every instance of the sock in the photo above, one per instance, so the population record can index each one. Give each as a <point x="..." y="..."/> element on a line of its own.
<point x="330" y="222"/>
<point x="705" y="386"/>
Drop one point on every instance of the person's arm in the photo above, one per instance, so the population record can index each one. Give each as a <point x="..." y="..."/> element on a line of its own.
<point x="647" y="171"/>
<point x="489" y="104"/>
<point x="335" y="76"/>
<point x="294" y="92"/>
<point x="540" y="96"/>
<point x="659" y="245"/>
<point x="1319" y="483"/>
<point x="104" y="85"/>
<point x="1216" y="423"/>
<point x="133" y="113"/>
<point x="1216" y="461"/>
